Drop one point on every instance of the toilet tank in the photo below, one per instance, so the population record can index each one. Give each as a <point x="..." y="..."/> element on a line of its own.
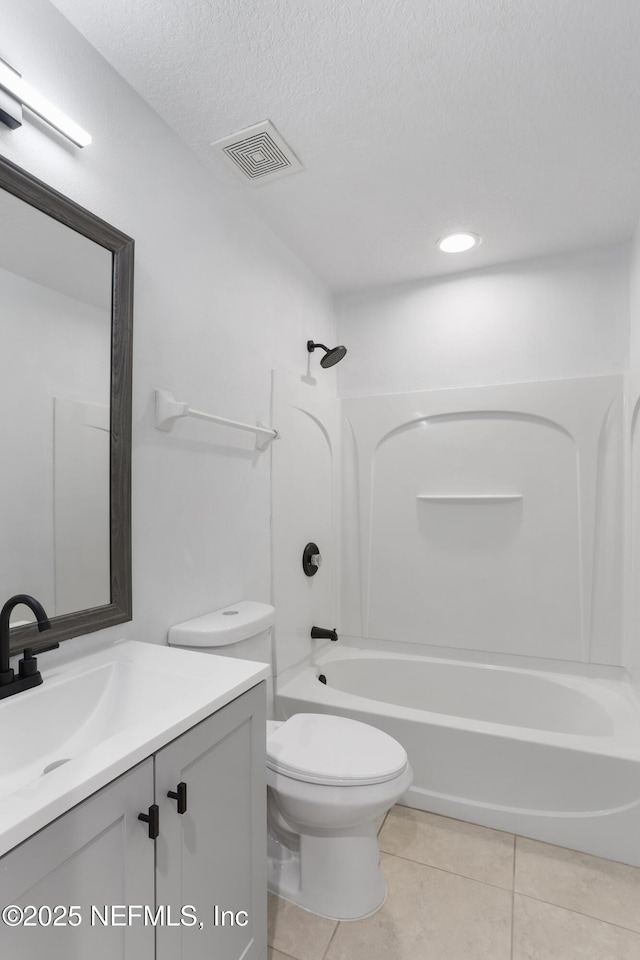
<point x="242" y="630"/>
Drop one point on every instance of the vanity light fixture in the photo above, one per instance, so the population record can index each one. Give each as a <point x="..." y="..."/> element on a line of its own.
<point x="26" y="96"/>
<point x="458" y="242"/>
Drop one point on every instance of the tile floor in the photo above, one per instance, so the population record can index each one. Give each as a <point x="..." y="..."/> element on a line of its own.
<point x="457" y="891"/>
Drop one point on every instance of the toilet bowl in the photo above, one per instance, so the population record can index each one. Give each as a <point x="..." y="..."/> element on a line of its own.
<point x="328" y="778"/>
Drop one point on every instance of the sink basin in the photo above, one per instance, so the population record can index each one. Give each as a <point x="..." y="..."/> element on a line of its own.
<point x="63" y="719"/>
<point x="96" y="717"/>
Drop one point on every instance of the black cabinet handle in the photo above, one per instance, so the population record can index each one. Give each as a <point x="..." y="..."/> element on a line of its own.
<point x="180" y="794"/>
<point x="153" y="819"/>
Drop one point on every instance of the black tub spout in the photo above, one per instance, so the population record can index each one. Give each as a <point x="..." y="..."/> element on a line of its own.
<point x="322" y="633"/>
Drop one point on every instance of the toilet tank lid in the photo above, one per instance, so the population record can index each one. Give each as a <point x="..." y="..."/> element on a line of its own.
<point x="234" y="623"/>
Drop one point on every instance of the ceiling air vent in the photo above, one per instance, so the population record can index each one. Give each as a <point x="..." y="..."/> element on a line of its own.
<point x="259" y="153"/>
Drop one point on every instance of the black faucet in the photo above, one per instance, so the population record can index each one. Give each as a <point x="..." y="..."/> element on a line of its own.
<point x="322" y="633"/>
<point x="28" y="673"/>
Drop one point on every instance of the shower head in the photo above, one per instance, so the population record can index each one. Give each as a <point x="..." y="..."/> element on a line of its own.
<point x="331" y="356"/>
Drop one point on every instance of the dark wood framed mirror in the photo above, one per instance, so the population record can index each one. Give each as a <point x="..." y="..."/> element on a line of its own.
<point x="53" y="256"/>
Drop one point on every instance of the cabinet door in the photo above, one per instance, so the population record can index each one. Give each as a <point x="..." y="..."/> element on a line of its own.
<point x="213" y="857"/>
<point x="97" y="854"/>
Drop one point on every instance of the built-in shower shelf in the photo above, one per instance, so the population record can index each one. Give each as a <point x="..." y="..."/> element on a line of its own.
<point x="469" y="497"/>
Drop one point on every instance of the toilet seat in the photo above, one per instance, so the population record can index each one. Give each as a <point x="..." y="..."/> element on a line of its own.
<point x="336" y="751"/>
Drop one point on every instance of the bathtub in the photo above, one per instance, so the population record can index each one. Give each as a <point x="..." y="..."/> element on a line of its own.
<point x="548" y="755"/>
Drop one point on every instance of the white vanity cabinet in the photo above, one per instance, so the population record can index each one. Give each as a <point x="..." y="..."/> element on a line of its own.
<point x="99" y="853"/>
<point x="213" y="856"/>
<point x="210" y="859"/>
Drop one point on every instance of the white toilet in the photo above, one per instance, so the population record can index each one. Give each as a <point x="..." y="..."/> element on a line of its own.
<point x="328" y="778"/>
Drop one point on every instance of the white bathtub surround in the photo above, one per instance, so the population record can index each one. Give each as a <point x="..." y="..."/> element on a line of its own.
<point x="547" y="755"/>
<point x="599" y="671"/>
<point x="482" y="526"/>
<point x="486" y="518"/>
<point x="305" y="508"/>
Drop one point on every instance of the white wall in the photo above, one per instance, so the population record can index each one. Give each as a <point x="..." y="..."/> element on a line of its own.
<point x="540" y="320"/>
<point x="219" y="301"/>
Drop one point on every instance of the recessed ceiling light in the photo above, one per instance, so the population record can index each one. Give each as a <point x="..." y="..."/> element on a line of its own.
<point x="457" y="242"/>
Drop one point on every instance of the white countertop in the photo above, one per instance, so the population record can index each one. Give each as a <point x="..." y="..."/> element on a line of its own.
<point x="102" y="714"/>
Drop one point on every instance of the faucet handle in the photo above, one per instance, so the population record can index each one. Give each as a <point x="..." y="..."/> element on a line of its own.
<point x="28" y="665"/>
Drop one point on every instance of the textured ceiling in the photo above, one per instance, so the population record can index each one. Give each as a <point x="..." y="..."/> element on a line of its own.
<point x="516" y="119"/>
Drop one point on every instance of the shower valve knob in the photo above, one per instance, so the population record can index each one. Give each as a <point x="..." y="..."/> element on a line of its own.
<point x="311" y="559"/>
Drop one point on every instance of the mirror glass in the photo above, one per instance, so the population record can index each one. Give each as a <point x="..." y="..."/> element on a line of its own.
<point x="65" y="329"/>
<point x="55" y="291"/>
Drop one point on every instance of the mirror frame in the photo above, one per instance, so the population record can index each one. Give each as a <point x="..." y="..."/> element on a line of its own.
<point x="36" y="193"/>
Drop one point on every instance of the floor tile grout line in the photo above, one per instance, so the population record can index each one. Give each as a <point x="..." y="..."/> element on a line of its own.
<point x="513" y="890"/>
<point x="559" y="846"/>
<point x="578" y="913"/>
<point x="335" y="930"/>
<point x="384" y="821"/>
<point x="452" y="873"/>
